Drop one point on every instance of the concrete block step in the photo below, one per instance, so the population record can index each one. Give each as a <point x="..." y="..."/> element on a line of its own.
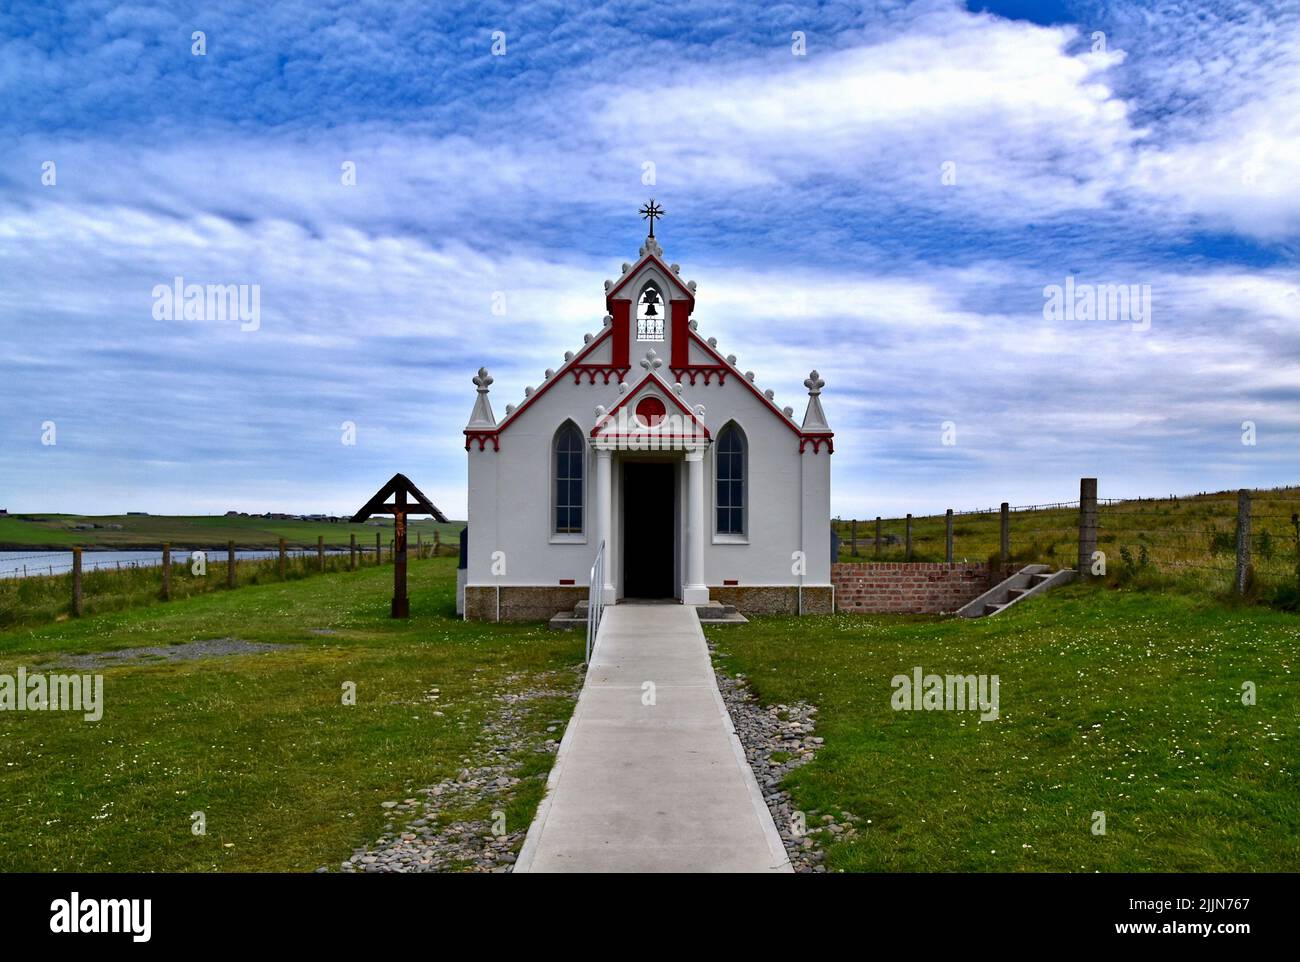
<point x="567" y="621"/>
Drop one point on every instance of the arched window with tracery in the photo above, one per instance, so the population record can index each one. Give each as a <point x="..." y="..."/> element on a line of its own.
<point x="729" y="456"/>
<point x="569" y="460"/>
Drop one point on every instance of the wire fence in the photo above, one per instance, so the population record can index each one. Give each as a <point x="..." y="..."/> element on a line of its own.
<point x="1245" y="542"/>
<point x="41" y="586"/>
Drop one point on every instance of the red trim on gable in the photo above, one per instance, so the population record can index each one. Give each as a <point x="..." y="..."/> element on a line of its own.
<point x="668" y="272"/>
<point x="681" y="326"/>
<point x="803" y="438"/>
<point x="482" y="437"/>
<point x="591" y="370"/>
<point x="706" y="370"/>
<point x="622" y="332"/>
<point x="667" y="391"/>
<point x="573" y="362"/>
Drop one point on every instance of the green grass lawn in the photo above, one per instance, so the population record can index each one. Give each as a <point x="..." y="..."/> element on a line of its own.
<point x="288" y="777"/>
<point x="20" y="532"/>
<point x="1116" y="701"/>
<point x="1185" y="543"/>
<point x="1122" y="702"/>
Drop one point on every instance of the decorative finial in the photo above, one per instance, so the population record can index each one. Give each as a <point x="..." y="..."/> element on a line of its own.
<point x="482" y="417"/>
<point x="651" y="211"/>
<point x="814" y="419"/>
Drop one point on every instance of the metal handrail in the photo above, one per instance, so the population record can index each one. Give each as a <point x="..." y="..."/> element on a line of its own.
<point x="595" y="598"/>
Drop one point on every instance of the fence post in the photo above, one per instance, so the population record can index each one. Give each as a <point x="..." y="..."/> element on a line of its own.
<point x="76" y="582"/>
<point x="908" y="554"/>
<point x="437" y="542"/>
<point x="1087" y="525"/>
<point x="167" y="572"/>
<point x="877" y="536"/>
<point x="320" y="551"/>
<point x="230" y="564"/>
<point x="1243" y="541"/>
<point x="948" y="533"/>
<point x="379" y="550"/>
<point x="853" y="528"/>
<point x="352" y="561"/>
<point x="1005" y="550"/>
<point x="282" y="559"/>
<point x="419" y="545"/>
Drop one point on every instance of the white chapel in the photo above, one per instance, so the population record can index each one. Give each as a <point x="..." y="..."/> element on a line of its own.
<point x="651" y="446"/>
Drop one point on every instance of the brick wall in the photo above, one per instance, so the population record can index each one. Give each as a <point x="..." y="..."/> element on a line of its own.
<point x="900" y="588"/>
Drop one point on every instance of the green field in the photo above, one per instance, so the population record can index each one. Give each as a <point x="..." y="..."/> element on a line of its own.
<point x="1125" y="702"/>
<point x="1185" y="542"/>
<point x="1122" y="702"/>
<point x="36" y="531"/>
<point x="288" y="777"/>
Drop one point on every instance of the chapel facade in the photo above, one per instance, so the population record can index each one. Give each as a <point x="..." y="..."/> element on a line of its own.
<point x="650" y="442"/>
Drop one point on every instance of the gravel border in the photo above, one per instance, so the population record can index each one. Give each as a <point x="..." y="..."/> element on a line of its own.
<point x="785" y="729"/>
<point x="421" y="844"/>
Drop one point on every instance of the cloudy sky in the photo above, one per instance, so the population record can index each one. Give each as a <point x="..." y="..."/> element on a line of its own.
<point x="887" y="205"/>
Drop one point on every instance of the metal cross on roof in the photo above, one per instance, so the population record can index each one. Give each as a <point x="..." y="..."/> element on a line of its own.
<point x="651" y="211"/>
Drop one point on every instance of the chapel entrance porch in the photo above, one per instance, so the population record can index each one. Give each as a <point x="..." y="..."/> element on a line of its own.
<point x="648" y="508"/>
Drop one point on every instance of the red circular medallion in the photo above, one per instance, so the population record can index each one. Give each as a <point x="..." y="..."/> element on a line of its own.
<point x="650" y="411"/>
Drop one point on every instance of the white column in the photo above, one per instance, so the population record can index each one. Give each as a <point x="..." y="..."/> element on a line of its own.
<point x="604" y="498"/>
<point x="695" y="591"/>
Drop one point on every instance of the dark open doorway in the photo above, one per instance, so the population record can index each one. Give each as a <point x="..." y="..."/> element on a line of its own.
<point x="649" y="492"/>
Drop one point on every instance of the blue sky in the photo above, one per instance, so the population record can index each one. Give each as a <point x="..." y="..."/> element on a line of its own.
<point x="805" y="194"/>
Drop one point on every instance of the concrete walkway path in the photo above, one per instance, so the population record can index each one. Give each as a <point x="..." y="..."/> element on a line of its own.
<point x="651" y="788"/>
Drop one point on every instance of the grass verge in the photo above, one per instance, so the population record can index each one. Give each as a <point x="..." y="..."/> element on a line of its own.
<point x="288" y="778"/>
<point x="1127" y="703"/>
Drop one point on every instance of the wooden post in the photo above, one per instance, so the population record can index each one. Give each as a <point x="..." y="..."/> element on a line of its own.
<point x="282" y="559"/>
<point x="320" y="552"/>
<point x="419" y="546"/>
<point x="1087" y="525"/>
<point x="76" y="582"/>
<point x="908" y="554"/>
<point x="1005" y="550"/>
<point x="437" y="542"/>
<point x="948" y="534"/>
<point x="401" y="606"/>
<point x="167" y="572"/>
<point x="379" y="550"/>
<point x="230" y="564"/>
<point x="877" y="536"/>
<point x="1243" y="541"/>
<point x="352" y="562"/>
<point x="853" y="537"/>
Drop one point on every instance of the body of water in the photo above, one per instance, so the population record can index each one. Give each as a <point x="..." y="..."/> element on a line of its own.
<point x="25" y="564"/>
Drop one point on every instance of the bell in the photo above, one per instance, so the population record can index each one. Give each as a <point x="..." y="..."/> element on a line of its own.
<point x="651" y="298"/>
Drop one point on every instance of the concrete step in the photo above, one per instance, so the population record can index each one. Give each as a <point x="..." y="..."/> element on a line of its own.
<point x="566" y="621"/>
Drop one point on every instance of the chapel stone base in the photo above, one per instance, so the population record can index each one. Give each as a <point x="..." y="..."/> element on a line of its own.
<point x="542" y="602"/>
<point x="776" y="599"/>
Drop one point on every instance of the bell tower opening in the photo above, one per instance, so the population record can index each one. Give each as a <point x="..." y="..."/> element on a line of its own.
<point x="650" y="313"/>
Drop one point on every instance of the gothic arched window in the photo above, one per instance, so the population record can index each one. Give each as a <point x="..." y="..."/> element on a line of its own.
<point x="569" y="457"/>
<point x="729" y="458"/>
<point x="650" y="314"/>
